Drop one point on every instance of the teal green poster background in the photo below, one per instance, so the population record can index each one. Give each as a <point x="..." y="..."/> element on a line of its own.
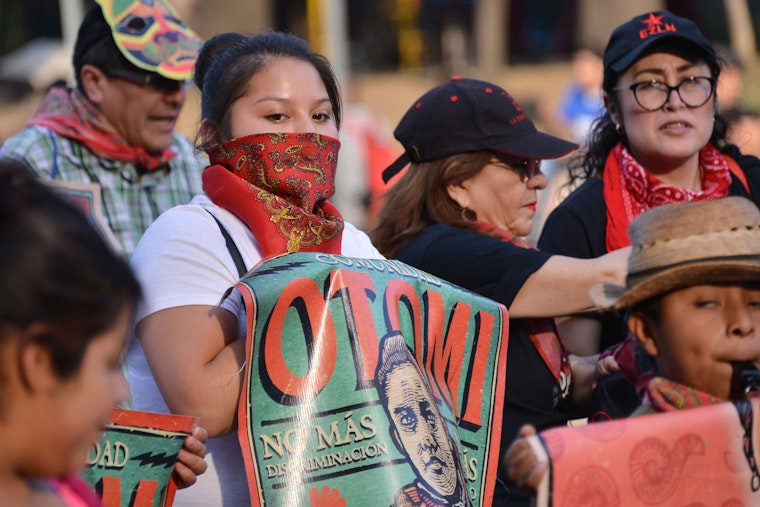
<point x="312" y="426"/>
<point x="132" y="464"/>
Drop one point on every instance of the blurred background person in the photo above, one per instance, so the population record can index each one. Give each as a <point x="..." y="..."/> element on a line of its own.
<point x="730" y="86"/>
<point x="581" y="103"/>
<point x="366" y="148"/>
<point x="743" y="122"/>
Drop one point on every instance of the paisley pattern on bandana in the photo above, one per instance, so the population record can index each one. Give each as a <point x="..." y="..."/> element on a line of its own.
<point x="629" y="190"/>
<point x="278" y="184"/>
<point x="151" y="36"/>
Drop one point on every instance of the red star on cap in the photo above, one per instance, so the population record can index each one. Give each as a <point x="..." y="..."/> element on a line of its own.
<point x="653" y="20"/>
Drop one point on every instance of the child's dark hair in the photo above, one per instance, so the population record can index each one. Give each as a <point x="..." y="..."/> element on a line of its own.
<point x="56" y="270"/>
<point x="650" y="307"/>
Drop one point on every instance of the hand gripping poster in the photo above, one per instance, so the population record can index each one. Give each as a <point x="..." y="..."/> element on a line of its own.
<point x="369" y="383"/>
<point x="132" y="464"/>
<point x="698" y="457"/>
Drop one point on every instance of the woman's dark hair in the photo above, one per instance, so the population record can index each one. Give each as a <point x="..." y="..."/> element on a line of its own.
<point x="56" y="270"/>
<point x="227" y="62"/>
<point x="589" y="161"/>
<point x="420" y="198"/>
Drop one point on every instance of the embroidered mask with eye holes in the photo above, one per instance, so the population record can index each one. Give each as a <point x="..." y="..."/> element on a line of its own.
<point x="151" y="36"/>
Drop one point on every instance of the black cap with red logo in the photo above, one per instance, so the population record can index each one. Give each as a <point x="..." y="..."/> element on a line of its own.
<point x="629" y="41"/>
<point x="465" y="115"/>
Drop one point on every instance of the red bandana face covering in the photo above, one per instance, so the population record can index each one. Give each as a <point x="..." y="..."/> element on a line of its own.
<point x="278" y="184"/>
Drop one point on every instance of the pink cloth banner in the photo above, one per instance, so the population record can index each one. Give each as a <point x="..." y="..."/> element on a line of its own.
<point x="700" y="457"/>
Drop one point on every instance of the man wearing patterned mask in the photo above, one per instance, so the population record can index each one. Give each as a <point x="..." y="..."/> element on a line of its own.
<point x="111" y="137"/>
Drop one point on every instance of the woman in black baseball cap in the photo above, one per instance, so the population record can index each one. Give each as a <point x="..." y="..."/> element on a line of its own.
<point x="461" y="211"/>
<point x="661" y="140"/>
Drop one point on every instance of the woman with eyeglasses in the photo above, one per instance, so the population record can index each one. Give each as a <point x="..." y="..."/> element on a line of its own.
<point x="661" y="140"/>
<point x="461" y="212"/>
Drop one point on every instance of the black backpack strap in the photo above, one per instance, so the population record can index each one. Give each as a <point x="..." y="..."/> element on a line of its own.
<point x="234" y="252"/>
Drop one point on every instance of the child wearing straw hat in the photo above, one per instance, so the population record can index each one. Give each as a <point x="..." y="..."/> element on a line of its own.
<point x="692" y="298"/>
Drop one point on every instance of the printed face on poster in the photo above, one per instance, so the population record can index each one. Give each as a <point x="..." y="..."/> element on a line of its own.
<point x="369" y="381"/>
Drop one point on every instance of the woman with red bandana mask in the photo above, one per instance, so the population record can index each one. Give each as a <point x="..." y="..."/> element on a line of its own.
<point x="270" y="113"/>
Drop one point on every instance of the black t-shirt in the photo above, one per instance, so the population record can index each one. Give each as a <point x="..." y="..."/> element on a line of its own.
<point x="497" y="270"/>
<point x="577" y="228"/>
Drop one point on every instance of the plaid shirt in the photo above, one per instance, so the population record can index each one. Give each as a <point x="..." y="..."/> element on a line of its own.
<point x="130" y="201"/>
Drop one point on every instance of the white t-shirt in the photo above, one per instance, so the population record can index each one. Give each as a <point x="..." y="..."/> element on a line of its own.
<point x="182" y="259"/>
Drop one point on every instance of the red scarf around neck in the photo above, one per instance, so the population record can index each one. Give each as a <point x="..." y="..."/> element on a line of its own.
<point x="70" y="114"/>
<point x="542" y="331"/>
<point x="278" y="185"/>
<point x="629" y="189"/>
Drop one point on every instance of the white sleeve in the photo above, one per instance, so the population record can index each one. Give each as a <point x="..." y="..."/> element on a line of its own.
<point x="182" y="259"/>
<point x="356" y="243"/>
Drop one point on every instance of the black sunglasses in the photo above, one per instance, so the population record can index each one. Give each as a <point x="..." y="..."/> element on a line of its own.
<point x="525" y="167"/>
<point x="155" y="81"/>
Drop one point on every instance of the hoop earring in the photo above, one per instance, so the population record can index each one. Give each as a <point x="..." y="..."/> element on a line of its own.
<point x="619" y="129"/>
<point x="466" y="212"/>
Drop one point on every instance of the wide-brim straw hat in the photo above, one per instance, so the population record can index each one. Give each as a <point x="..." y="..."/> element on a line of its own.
<point x="680" y="245"/>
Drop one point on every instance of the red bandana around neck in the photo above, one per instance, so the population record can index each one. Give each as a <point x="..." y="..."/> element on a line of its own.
<point x="542" y="331"/>
<point x="68" y="113"/>
<point x="278" y="184"/>
<point x="629" y="190"/>
<point x="667" y="396"/>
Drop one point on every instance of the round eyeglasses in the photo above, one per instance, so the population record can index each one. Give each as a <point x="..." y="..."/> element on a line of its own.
<point x="652" y="95"/>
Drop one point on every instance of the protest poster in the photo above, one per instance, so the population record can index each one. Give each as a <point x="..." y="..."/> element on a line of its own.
<point x="132" y="464"/>
<point x="369" y="382"/>
<point x="697" y="457"/>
